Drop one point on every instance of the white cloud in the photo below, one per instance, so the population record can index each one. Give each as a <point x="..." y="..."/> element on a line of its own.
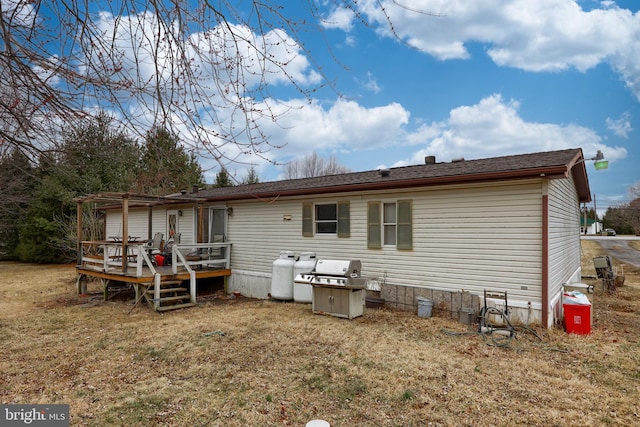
<point x="137" y="47"/>
<point x="541" y="35"/>
<point x="342" y="125"/>
<point x="211" y="85"/>
<point x="371" y="84"/>
<point x="493" y="128"/>
<point x="621" y="127"/>
<point x="339" y="127"/>
<point x="340" y="18"/>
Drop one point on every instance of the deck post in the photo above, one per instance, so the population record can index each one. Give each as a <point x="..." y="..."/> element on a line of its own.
<point x="79" y="232"/>
<point x="125" y="231"/>
<point x="156" y="291"/>
<point x="105" y="288"/>
<point x="192" y="286"/>
<point x="81" y="283"/>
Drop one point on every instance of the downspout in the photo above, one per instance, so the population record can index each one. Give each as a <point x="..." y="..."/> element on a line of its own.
<point x="545" y="253"/>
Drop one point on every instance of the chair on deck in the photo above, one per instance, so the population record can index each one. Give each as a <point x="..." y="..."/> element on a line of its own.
<point x="153" y="245"/>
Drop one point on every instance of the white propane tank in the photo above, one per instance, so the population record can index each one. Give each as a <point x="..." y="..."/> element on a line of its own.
<point x="282" y="276"/>
<point x="302" y="291"/>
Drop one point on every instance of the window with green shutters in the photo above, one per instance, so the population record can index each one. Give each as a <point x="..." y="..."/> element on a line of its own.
<point x="326" y="218"/>
<point x="390" y="224"/>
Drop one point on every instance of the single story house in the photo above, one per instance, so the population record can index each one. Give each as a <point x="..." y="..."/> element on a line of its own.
<point x="447" y="231"/>
<point x="592" y="227"/>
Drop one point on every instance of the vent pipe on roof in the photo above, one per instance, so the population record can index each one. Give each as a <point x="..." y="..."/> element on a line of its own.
<point x="384" y="172"/>
<point x="195" y="188"/>
<point x="430" y="160"/>
<point x="457" y="160"/>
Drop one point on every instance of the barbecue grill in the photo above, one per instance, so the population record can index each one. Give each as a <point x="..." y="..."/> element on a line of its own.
<point x="338" y="288"/>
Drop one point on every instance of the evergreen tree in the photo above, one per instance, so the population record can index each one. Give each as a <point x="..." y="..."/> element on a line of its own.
<point x="99" y="157"/>
<point x="16" y="173"/>
<point x="252" y="177"/>
<point x="165" y="166"/>
<point x="92" y="158"/>
<point x="223" y="180"/>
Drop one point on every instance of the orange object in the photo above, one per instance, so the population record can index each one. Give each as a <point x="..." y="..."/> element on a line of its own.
<point x="577" y="319"/>
<point x="159" y="260"/>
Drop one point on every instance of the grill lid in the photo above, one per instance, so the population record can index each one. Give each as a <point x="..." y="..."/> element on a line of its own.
<point x="338" y="267"/>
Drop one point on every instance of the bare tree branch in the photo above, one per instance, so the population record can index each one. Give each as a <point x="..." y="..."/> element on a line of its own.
<point x="202" y="72"/>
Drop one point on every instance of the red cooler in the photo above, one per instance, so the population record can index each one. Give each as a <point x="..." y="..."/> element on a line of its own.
<point x="577" y="319"/>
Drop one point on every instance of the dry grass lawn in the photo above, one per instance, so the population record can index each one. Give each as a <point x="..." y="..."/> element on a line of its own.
<point x="261" y="363"/>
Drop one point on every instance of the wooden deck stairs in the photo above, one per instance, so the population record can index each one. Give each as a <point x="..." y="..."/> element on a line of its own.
<point x="173" y="295"/>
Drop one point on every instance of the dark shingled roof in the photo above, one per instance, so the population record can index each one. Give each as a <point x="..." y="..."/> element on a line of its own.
<point x="554" y="164"/>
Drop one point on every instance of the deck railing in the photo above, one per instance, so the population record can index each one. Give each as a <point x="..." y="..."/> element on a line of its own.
<point x="216" y="255"/>
<point x="108" y="257"/>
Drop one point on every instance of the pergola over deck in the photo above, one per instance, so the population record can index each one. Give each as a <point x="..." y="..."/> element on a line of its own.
<point x="97" y="259"/>
<point x="127" y="200"/>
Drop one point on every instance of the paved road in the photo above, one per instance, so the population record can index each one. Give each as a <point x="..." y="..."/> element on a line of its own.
<point x="618" y="247"/>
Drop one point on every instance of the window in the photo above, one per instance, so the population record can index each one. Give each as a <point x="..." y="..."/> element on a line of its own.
<point x="390" y="224"/>
<point x="326" y="218"/>
<point x="214" y="224"/>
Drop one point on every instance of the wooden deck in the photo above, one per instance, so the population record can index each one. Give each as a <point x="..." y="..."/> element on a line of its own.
<point x="166" y="272"/>
<point x="162" y="286"/>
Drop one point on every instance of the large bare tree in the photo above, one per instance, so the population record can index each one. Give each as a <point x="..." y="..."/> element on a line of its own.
<point x="313" y="165"/>
<point x="200" y="69"/>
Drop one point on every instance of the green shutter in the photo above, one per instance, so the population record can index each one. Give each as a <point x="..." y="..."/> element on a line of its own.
<point x="307" y="219"/>
<point x="344" y="226"/>
<point x="374" y="227"/>
<point x="405" y="225"/>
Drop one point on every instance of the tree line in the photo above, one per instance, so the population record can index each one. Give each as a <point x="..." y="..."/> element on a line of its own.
<point x="624" y="217"/>
<point x="38" y="213"/>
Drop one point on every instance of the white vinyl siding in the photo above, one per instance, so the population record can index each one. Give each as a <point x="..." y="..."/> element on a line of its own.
<point x="139" y="218"/>
<point x="467" y="237"/>
<point x="186" y="226"/>
<point x="464" y="237"/>
<point x="564" y="238"/>
<point x="136" y="221"/>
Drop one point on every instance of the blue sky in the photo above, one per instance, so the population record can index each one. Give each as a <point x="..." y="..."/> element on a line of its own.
<point x="459" y="78"/>
<point x="484" y="79"/>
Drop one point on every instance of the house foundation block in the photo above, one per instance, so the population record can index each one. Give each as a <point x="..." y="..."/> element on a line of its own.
<point x="453" y="304"/>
